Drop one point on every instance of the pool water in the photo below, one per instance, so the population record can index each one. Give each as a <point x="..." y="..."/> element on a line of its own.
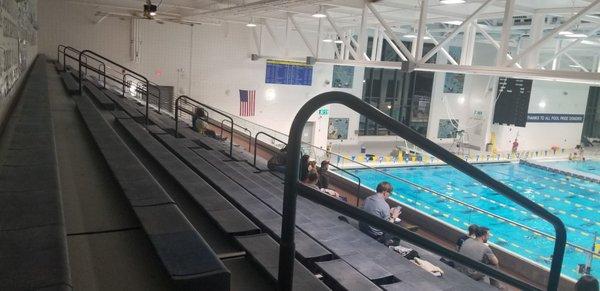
<point x="457" y="199"/>
<point x="589" y="166"/>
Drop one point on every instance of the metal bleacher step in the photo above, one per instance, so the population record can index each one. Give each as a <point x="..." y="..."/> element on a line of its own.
<point x="186" y="256"/>
<point x="71" y="84"/>
<point x="345" y="277"/>
<point x="263" y="249"/>
<point x="101" y="98"/>
<point x="229" y="219"/>
<point x="33" y="245"/>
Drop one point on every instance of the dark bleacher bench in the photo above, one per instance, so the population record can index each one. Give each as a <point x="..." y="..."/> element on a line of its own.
<point x="70" y="83"/>
<point x="265" y="251"/>
<point x="187" y="258"/>
<point x="101" y="99"/>
<point x="229" y="219"/>
<point x="33" y="247"/>
<point x="345" y="277"/>
<point x="370" y="258"/>
<point x="124" y="105"/>
<point x="262" y="214"/>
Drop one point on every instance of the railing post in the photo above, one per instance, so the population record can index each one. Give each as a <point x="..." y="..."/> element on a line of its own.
<point x="177" y="116"/>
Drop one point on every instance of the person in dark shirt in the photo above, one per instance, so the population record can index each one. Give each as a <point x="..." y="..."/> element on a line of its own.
<point x="586" y="283"/>
<point x="278" y="162"/>
<point x="472" y="230"/>
<point x="323" y="179"/>
<point x="304" y="167"/>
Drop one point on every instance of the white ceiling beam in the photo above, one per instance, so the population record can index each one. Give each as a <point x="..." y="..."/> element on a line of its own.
<point x="494" y="42"/>
<point x="273" y="35"/>
<point x="394" y="47"/>
<point x="567" y="24"/>
<point x="570" y="45"/>
<point x="507" y="23"/>
<point x="341" y="36"/>
<point x="576" y="62"/>
<point x="443" y="50"/>
<point x="450" y="36"/>
<point x="302" y="35"/>
<point x="390" y="33"/>
<point x="422" y="30"/>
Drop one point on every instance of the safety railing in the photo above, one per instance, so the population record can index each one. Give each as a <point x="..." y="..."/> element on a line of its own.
<point x="198" y="104"/>
<point x="86" y="53"/>
<point x="292" y="187"/>
<point x="142" y="90"/>
<point x="240" y="127"/>
<point x="101" y="70"/>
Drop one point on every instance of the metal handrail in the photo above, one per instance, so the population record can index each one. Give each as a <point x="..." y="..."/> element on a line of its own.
<point x="243" y="128"/>
<point x="287" y="247"/>
<point x="188" y="99"/>
<point x="86" y="52"/>
<point x="58" y="51"/>
<point x="256" y="143"/>
<point x="140" y="90"/>
<point x="101" y="65"/>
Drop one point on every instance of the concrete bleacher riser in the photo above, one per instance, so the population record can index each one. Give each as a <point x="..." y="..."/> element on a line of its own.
<point x="32" y="231"/>
<point x="187" y="258"/>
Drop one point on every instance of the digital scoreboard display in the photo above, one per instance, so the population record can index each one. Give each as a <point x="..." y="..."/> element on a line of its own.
<point x="513" y="101"/>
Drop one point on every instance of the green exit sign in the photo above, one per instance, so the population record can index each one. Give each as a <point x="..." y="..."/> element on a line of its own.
<point x="324" y="111"/>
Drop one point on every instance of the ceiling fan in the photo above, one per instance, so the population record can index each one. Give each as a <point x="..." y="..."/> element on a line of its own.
<point x="149" y="12"/>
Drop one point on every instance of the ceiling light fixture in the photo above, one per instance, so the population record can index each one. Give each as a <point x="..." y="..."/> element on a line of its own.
<point x="150" y="9"/>
<point x="452" y="2"/>
<point x="338" y="41"/>
<point x="251" y="23"/>
<point x="409" y="36"/>
<point x="453" y="22"/>
<point x="328" y="40"/>
<point x="319" y="13"/>
<point x="566" y="32"/>
<point x="576" y="35"/>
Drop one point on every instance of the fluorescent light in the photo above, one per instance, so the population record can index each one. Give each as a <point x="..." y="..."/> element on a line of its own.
<point x="452" y="1"/>
<point x="589" y="42"/>
<point x="328" y="40"/>
<point x="575" y="66"/>
<point x="410" y="36"/>
<point x="152" y="13"/>
<point x="338" y="41"/>
<point x="251" y="24"/>
<point x="566" y="32"/>
<point x="453" y="22"/>
<point x="577" y="35"/>
<point x="319" y="15"/>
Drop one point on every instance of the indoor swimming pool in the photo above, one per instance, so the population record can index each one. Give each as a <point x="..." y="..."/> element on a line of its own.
<point x="456" y="199"/>
<point x="589" y="166"/>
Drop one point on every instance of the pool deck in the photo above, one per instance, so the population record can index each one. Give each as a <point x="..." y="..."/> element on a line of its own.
<point x="570" y="172"/>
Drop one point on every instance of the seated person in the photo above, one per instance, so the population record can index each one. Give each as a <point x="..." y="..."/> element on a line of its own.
<point x="312" y="180"/>
<point x="472" y="229"/>
<point x="477" y="249"/>
<point x="323" y="179"/>
<point x="198" y="120"/>
<point x="278" y="162"/>
<point x="304" y="167"/>
<point x="586" y="283"/>
<point x="376" y="205"/>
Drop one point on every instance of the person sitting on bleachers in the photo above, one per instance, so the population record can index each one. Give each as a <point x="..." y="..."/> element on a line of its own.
<point x="312" y="180"/>
<point x="376" y="205"/>
<point x="478" y="250"/>
<point x="278" y="162"/>
<point x="472" y="230"/>
<point x="323" y="179"/>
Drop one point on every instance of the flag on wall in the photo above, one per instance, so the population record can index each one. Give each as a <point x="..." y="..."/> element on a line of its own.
<point x="247" y="102"/>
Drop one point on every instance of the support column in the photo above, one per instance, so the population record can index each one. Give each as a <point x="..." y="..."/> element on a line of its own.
<point x="468" y="44"/>
<point x="363" y="36"/>
<point x="556" y="60"/>
<point x="537" y="28"/>
<point x="418" y="52"/>
<point x="507" y="23"/>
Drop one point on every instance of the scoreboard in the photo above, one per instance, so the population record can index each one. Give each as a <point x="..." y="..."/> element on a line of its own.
<point x="513" y="101"/>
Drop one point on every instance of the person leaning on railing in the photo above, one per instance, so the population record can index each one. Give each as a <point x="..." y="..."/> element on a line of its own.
<point x="376" y="205"/>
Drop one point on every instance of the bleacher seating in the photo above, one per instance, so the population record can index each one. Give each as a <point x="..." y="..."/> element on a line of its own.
<point x="187" y="258"/>
<point x="33" y="247"/>
<point x="371" y="259"/>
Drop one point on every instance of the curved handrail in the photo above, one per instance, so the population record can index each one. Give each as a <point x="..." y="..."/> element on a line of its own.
<point x="243" y="128"/>
<point x="256" y="142"/>
<point x="188" y="99"/>
<point x="287" y="248"/>
<point x="86" y="52"/>
<point x="58" y="51"/>
<point x="101" y="65"/>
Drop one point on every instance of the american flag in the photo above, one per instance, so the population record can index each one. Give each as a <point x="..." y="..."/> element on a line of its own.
<point x="247" y="102"/>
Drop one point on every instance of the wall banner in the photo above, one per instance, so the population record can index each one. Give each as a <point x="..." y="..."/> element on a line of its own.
<point x="554" y="118"/>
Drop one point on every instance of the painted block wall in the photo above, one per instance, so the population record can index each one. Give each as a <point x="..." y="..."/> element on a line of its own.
<point x="13" y="76"/>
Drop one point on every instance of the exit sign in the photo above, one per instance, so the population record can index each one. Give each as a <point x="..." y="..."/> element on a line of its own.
<point x="324" y="111"/>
